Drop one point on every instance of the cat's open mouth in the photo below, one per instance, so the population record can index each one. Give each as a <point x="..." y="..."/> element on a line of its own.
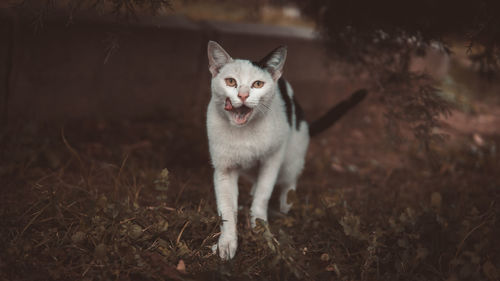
<point x="240" y="115"/>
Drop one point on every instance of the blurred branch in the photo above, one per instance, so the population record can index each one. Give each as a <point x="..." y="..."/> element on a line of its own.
<point x="360" y="28"/>
<point x="122" y="9"/>
<point x="487" y="61"/>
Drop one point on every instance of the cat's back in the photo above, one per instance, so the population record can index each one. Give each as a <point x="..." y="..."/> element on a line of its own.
<point x="292" y="109"/>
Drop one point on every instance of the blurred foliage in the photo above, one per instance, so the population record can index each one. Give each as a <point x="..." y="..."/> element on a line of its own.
<point x="412" y="101"/>
<point x="384" y="38"/>
<point x="358" y="30"/>
<point x="126" y="9"/>
<point x="379" y="38"/>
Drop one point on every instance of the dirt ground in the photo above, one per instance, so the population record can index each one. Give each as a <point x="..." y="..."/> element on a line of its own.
<point x="133" y="200"/>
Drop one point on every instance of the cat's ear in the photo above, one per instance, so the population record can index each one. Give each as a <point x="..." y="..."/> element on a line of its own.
<point x="217" y="57"/>
<point x="274" y="62"/>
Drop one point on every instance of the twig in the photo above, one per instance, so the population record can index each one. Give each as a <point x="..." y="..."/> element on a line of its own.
<point x="180" y="193"/>
<point x="120" y="172"/>
<point x="182" y="231"/>
<point x="33" y="219"/>
<point x="467" y="236"/>
<point x="71" y="149"/>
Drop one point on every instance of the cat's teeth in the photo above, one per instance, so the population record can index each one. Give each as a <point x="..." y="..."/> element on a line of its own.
<point x="240" y="117"/>
<point x="241" y="114"/>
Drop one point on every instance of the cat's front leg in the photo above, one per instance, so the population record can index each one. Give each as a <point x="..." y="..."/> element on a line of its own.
<point x="268" y="173"/>
<point x="226" y="193"/>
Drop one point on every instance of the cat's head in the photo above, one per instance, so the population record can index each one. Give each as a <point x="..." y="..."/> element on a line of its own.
<point x="243" y="90"/>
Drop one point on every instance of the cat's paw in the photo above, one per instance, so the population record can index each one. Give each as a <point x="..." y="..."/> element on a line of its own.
<point x="287" y="198"/>
<point x="257" y="213"/>
<point x="285" y="207"/>
<point x="227" y="245"/>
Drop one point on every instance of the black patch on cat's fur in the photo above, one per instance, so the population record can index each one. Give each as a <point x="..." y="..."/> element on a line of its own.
<point x="263" y="62"/>
<point x="259" y="64"/>
<point x="286" y="99"/>
<point x="299" y="114"/>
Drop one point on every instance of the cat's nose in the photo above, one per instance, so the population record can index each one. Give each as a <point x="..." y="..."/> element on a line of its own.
<point x="243" y="96"/>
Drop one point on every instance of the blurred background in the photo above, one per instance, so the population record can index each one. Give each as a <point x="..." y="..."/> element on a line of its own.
<point x="104" y="164"/>
<point x="73" y="62"/>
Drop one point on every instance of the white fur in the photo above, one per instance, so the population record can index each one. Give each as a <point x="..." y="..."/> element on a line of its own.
<point x="266" y="143"/>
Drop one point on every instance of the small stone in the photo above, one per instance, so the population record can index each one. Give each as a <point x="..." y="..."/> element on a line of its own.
<point x="478" y="139"/>
<point x="352" y="168"/>
<point x="162" y="225"/>
<point x="181" y="266"/>
<point x="338" y="168"/>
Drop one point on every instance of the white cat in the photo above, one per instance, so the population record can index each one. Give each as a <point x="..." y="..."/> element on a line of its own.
<point x="256" y="129"/>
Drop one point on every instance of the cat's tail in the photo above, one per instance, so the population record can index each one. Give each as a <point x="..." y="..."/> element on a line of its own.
<point x="334" y="114"/>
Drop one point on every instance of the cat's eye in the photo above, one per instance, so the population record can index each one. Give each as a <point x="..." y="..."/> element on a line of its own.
<point x="231" y="82"/>
<point x="257" y="84"/>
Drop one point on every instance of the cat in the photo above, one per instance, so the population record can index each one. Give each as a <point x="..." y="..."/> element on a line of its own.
<point x="256" y="129"/>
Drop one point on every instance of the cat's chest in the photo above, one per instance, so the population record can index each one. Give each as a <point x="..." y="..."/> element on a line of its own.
<point x="244" y="147"/>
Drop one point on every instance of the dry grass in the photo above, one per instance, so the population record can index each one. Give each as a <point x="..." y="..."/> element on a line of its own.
<point x="93" y="202"/>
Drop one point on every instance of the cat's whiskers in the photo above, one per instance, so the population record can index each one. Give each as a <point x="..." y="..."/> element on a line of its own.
<point x="263" y="108"/>
<point x="266" y="106"/>
<point x="260" y="110"/>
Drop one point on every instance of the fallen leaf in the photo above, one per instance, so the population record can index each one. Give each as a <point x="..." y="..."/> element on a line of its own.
<point x="134" y="231"/>
<point x="490" y="271"/>
<point x="334" y="268"/>
<point x="183" y="249"/>
<point x="351" y="225"/>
